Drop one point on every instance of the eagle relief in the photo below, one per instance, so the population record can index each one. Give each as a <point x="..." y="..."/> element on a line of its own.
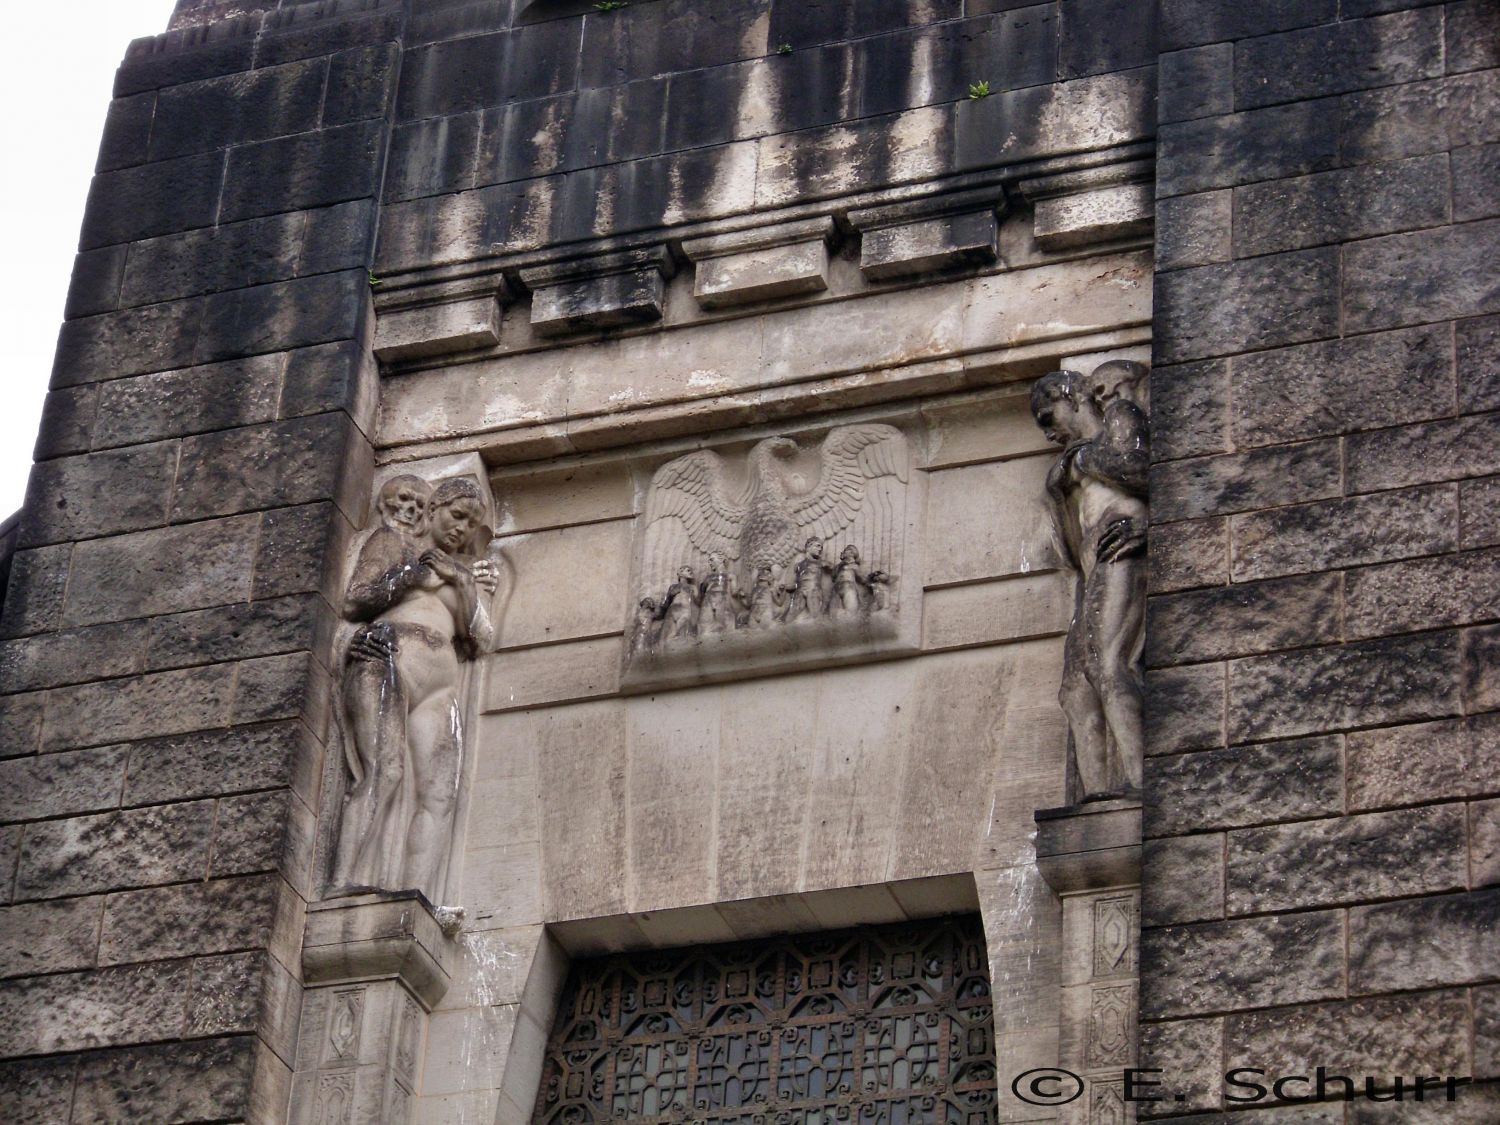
<point x="790" y="553"/>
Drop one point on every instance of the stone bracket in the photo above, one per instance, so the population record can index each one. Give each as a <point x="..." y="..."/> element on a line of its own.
<point x="934" y="233"/>
<point x="784" y="260"/>
<point x="599" y="292"/>
<point x="1097" y="205"/>
<point x="440" y="319"/>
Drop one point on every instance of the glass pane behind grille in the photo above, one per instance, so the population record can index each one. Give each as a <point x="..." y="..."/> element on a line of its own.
<point x="887" y="1025"/>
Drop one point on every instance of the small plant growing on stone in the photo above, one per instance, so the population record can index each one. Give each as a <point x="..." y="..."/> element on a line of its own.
<point x="784" y="49"/>
<point x="979" y="90"/>
<point x="375" y="282"/>
<point x="610" y="5"/>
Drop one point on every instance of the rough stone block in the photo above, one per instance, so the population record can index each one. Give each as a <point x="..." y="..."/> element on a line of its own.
<point x="1481" y="669"/>
<point x="338" y="238"/>
<point x="135" y="707"/>
<point x="1322" y="689"/>
<point x="1476" y="175"/>
<point x="1194" y="230"/>
<point x="1433" y="451"/>
<point x="200" y="1080"/>
<point x="1190" y="1056"/>
<point x="760" y="265"/>
<point x="1340" y="386"/>
<point x="336" y="376"/>
<point x="1184" y="708"/>
<point x="1241" y="148"/>
<point x="95" y="284"/>
<point x="67" y="422"/>
<point x="1421" y="117"/>
<point x="275" y="465"/>
<point x="676" y="35"/>
<point x="293" y="547"/>
<point x="1484" y="843"/>
<point x="439" y="328"/>
<point x="238" y="631"/>
<point x="1379" y="527"/>
<point x="37" y="1089"/>
<point x="1236" y="482"/>
<point x="131" y="342"/>
<point x="97" y="494"/>
<point x="617" y="289"/>
<point x="215" y="763"/>
<point x="152" y="199"/>
<point x="1478" y="361"/>
<point x="289" y="314"/>
<point x="1424" y="1033"/>
<point x="214" y="396"/>
<point x="1346" y="859"/>
<point x="1186" y="555"/>
<point x="167" y="922"/>
<point x="38" y="585"/>
<point x="165" y="570"/>
<point x="1116" y="211"/>
<point x="433" y="156"/>
<point x="210" y="260"/>
<point x="1255" y="963"/>
<point x="1422" y="276"/>
<point x="173" y="59"/>
<point x="1479" y="513"/>
<point x="1338" y="58"/>
<point x="1186" y="23"/>
<point x="237" y="108"/>
<point x="1182" y="880"/>
<point x="805" y="22"/>
<point x="1243" y="785"/>
<point x="1259" y="303"/>
<point x="127" y="132"/>
<point x="50" y="785"/>
<point x="279" y="687"/>
<point x="308" y="170"/>
<point x="1473" y="32"/>
<point x="1407" y="765"/>
<point x="1458" y="589"/>
<point x="1242" y="619"/>
<point x="21" y="723"/>
<point x="1424" y="943"/>
<point x="1099" y="36"/>
<point x="262" y="832"/>
<point x="1198" y="82"/>
<point x="489" y="70"/>
<point x="49" y="937"/>
<point x="361" y="84"/>
<point x="138" y="847"/>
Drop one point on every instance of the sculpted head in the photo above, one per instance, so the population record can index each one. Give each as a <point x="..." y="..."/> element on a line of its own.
<point x="1063" y="406"/>
<point x="1118" y="379"/>
<point x="685" y="573"/>
<point x="455" y="512"/>
<point x="403" y="504"/>
<point x="813" y="547"/>
<point x="849" y="554"/>
<point x="715" y="562"/>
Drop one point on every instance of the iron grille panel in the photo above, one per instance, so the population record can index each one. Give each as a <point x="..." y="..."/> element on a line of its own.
<point x="884" y="1025"/>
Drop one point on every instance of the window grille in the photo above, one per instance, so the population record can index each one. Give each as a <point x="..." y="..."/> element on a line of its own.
<point x="888" y="1025"/>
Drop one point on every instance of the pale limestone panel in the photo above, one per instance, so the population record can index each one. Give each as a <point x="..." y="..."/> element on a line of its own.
<point x="1030" y="770"/>
<point x="581" y="753"/>
<point x="1058" y="301"/>
<point x="569" y="583"/>
<point x="507" y="748"/>
<point x="467" y="1050"/>
<point x="504" y="812"/>
<point x="988" y="521"/>
<point x="966" y="430"/>
<point x="673" y="743"/>
<point x="763" y="785"/>
<point x="762" y="274"/>
<point x="552" y="674"/>
<point x="578" y="494"/>
<point x="1034" y="605"/>
<point x="502" y="885"/>
<point x="492" y="967"/>
<point x="915" y="149"/>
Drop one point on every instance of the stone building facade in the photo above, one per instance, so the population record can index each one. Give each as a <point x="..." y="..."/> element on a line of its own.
<point x="696" y="284"/>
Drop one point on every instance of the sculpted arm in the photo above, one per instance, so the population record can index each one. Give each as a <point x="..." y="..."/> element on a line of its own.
<point x="1122" y="456"/>
<point x="382" y="577"/>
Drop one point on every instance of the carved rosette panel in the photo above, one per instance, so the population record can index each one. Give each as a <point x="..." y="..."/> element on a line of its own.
<point x="781" y="552"/>
<point x="357" y="1055"/>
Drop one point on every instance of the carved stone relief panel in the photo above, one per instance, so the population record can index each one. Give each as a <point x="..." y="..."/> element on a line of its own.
<point x="787" y="551"/>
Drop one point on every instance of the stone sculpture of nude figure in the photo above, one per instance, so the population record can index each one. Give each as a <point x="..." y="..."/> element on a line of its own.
<point x="1097" y="490"/>
<point x="424" y="604"/>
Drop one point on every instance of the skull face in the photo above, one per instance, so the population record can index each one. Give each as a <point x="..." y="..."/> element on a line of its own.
<point x="403" y="503"/>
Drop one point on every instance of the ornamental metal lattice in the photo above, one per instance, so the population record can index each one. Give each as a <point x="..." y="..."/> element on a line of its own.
<point x="888" y="1025"/>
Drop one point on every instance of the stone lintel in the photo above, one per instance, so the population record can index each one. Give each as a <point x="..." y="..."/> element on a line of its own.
<point x="934" y="233"/>
<point x="784" y="260"/>
<point x="1090" y="846"/>
<point x="599" y="292"/>
<point x="440" y="319"/>
<point x="378" y="937"/>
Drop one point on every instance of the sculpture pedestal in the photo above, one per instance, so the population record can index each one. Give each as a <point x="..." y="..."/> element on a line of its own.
<point x="1090" y="854"/>
<point x="373" y="966"/>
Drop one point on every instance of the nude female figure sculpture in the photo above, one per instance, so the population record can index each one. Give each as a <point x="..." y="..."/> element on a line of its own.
<point x="424" y="603"/>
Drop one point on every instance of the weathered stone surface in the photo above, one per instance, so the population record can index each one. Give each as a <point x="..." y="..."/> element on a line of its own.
<point x="95" y="285"/>
<point x="1431" y="451"/>
<point x="135" y="848"/>
<point x="1237" y="482"/>
<point x="1189" y="1054"/>
<point x="437" y="329"/>
<point x="21" y="723"/>
<point x="1420" y="117"/>
<point x="571" y="583"/>
<point x="1334" y="687"/>
<point x="1189" y="22"/>
<point x="1193" y="230"/>
<point x="263" y="628"/>
<point x="1342" y="385"/>
<point x="1484" y="843"/>
<point x="1255" y="963"/>
<point x="293" y="545"/>
<point x="1406" y="765"/>
<point x="1481" y="668"/>
<point x="1348" y="859"/>
<point x="49" y="937"/>
<point x="1423" y="1033"/>
<point x="211" y="259"/>
<point x="67" y="422"/>
<point x="237" y="108"/>
<point x="101" y="1008"/>
<point x="308" y="170"/>
<point x="761" y="274"/>
<point x="1336" y="58"/>
<point x="262" y="832"/>
<point x="1258" y="303"/>
<point x="1475" y="172"/>
<point x="1478" y="348"/>
<point x="1424" y="943"/>
<point x="1334" y="533"/>
<point x="38" y="584"/>
<point x="1182" y="880"/>
<point x="98" y="494"/>
<point x="196" y="399"/>
<point x="1244" y="785"/>
<point x="47" y="785"/>
<point x="1020" y="608"/>
<point x="166" y="922"/>
<point x="130" y="342"/>
<point x="1198" y="82"/>
<point x="160" y="571"/>
<point x="233" y="993"/>
<point x="1472" y="1105"/>
<point x="1184" y="708"/>
<point x="137" y="706"/>
<point x="287" y="314"/>
<point x="1456" y="589"/>
<point x="152" y="199"/>
<point x="1479" y="513"/>
<point x="1244" y="618"/>
<point x="562" y="301"/>
<point x="1240" y="148"/>
<point x="1427" y="275"/>
<point x="1115" y="211"/>
<point x="1189" y="554"/>
<point x="201" y="1080"/>
<point x="213" y="763"/>
<point x="279" y="687"/>
<point x="52" y="659"/>
<point x="472" y="73"/>
<point x="37" y="1089"/>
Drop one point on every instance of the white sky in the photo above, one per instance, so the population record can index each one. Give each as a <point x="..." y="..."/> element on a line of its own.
<point x="55" y="87"/>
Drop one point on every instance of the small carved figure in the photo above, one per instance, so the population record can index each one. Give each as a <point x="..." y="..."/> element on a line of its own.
<point x="679" y="609"/>
<point x="424" y="603"/>
<point x="848" y="583"/>
<point x="880" y="591"/>
<point x="808" y="598"/>
<point x="1098" y="489"/>
<point x="766" y="599"/>
<point x="647" y="625"/>
<point x="716" y="598"/>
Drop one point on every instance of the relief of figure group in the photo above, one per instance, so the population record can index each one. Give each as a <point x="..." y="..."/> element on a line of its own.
<point x="812" y="589"/>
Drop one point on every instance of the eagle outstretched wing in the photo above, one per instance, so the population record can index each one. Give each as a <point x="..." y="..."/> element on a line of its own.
<point x="853" y="458"/>
<point x="693" y="490"/>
